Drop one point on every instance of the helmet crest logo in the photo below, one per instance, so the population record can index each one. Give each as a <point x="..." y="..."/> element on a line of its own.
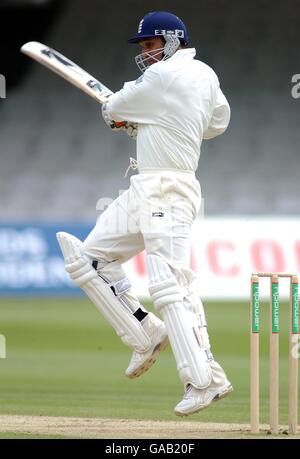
<point x="140" y="26"/>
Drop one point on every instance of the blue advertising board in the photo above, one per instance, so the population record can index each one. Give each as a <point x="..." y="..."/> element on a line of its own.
<point x="31" y="262"/>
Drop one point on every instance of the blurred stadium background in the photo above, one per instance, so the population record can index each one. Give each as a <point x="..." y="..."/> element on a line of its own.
<point x="53" y="141"/>
<point x="58" y="159"/>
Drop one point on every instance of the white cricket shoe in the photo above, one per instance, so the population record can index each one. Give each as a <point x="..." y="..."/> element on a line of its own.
<point x="195" y="400"/>
<point x="141" y="361"/>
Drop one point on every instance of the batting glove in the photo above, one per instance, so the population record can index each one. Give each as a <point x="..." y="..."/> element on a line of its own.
<point x="114" y="125"/>
<point x="131" y="130"/>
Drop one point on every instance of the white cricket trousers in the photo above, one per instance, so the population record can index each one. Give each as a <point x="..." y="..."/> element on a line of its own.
<point x="156" y="213"/>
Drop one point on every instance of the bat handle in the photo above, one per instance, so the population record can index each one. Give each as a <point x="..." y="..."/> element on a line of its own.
<point x="120" y="124"/>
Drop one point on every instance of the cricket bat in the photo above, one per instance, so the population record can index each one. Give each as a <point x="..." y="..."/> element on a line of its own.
<point x="67" y="70"/>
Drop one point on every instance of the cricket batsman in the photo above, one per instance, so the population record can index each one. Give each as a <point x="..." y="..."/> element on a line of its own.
<point x="175" y="104"/>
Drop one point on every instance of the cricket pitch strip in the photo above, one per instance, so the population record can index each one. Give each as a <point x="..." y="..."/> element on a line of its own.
<point x="108" y="428"/>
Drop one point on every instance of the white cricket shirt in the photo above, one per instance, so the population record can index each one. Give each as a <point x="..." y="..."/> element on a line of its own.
<point x="176" y="103"/>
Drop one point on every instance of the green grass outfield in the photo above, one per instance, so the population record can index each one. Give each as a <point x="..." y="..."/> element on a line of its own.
<point x="64" y="360"/>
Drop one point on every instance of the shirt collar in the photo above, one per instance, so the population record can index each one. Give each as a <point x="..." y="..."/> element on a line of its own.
<point x="184" y="53"/>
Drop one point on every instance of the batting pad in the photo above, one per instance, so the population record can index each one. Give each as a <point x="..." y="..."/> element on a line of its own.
<point x="192" y="360"/>
<point x="85" y="276"/>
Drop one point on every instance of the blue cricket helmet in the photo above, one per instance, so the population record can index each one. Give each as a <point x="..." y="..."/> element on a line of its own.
<point x="160" y="23"/>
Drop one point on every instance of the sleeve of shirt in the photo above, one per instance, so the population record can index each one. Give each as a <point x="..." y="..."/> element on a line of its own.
<point x="220" y="117"/>
<point x="139" y="101"/>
